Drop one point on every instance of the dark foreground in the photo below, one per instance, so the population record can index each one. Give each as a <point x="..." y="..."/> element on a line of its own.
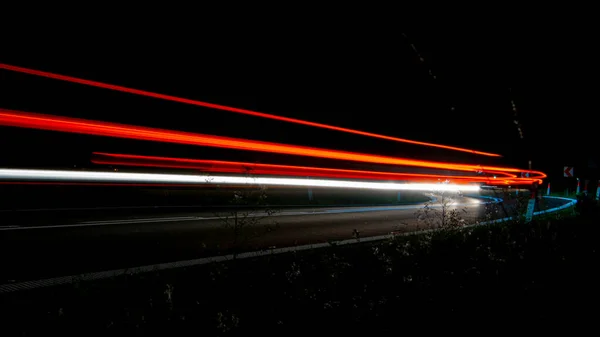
<point x="542" y="275"/>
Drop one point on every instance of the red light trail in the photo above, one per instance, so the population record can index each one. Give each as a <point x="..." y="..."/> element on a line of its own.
<point x="98" y="128"/>
<point x="288" y="170"/>
<point x="229" y="109"/>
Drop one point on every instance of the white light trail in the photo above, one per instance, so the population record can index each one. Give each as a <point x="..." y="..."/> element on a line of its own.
<point x="160" y="178"/>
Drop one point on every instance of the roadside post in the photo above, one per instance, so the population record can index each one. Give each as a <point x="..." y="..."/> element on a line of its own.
<point x="530" y="206"/>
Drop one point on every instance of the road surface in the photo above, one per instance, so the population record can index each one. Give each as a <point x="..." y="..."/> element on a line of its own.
<point x="65" y="247"/>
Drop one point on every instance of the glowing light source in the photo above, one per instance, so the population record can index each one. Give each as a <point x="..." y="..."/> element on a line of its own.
<point x="151" y="178"/>
<point x="74" y="125"/>
<point x="229" y="109"/>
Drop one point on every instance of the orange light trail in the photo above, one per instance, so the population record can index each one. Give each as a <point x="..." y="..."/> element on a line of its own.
<point x="289" y="170"/>
<point x="97" y="128"/>
<point x="230" y="109"/>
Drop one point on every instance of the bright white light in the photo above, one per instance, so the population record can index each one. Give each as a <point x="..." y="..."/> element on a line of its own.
<point x="157" y="178"/>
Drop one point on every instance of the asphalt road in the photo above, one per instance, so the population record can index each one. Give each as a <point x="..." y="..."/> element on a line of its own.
<point x="64" y="247"/>
<point x="65" y="242"/>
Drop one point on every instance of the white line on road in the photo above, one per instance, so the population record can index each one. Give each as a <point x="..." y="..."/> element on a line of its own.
<point x="177" y="218"/>
<point x="199" y="218"/>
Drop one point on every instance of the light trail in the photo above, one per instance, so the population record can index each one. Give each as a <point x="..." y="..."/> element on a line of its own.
<point x="98" y="128"/>
<point x="27" y="175"/>
<point x="230" y="109"/>
<point x="289" y="170"/>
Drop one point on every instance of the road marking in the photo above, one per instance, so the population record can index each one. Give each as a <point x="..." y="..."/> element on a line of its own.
<point x="178" y="218"/>
<point x="199" y="218"/>
<point x="181" y="219"/>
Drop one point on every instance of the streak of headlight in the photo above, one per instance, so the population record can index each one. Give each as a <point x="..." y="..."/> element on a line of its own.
<point x="97" y="128"/>
<point x="230" y="109"/>
<point x="219" y="166"/>
<point x="126" y="177"/>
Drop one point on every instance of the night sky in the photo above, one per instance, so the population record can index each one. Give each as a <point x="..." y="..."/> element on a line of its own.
<point x="438" y="85"/>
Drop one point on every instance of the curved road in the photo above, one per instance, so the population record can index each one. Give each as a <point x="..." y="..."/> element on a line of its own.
<point x="64" y="247"/>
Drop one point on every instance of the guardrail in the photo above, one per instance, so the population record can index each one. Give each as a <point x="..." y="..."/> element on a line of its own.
<point x="571" y="203"/>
